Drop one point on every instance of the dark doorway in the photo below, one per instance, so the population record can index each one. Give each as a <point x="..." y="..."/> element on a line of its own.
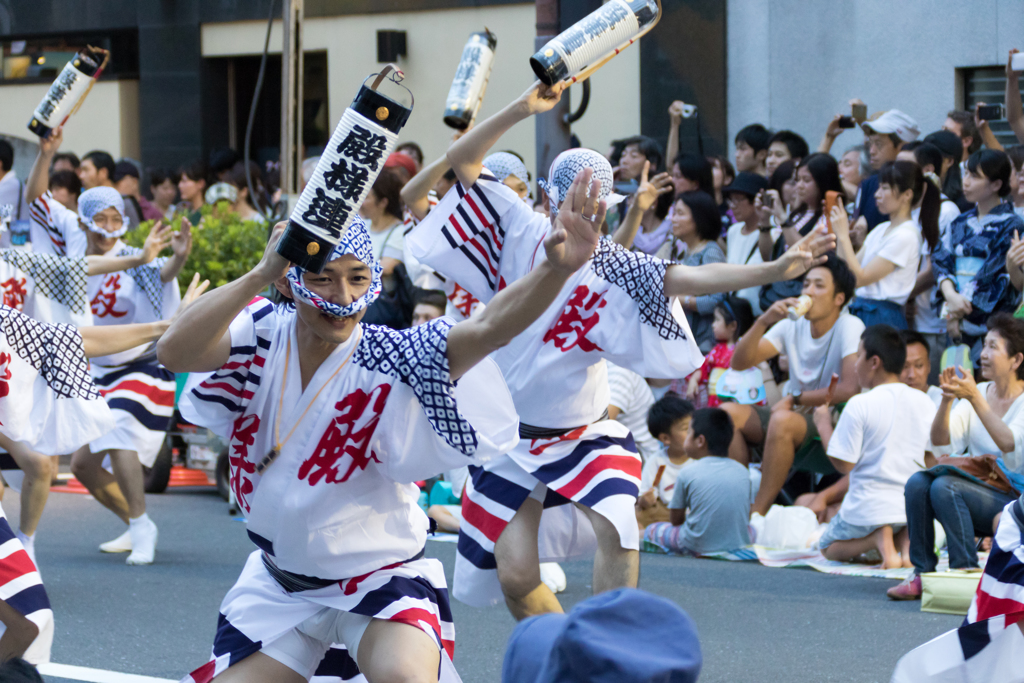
<point x="228" y="87"/>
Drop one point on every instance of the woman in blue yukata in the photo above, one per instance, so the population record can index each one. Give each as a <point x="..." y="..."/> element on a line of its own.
<point x="972" y="275"/>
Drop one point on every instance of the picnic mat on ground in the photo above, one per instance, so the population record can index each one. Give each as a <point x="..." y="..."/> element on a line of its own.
<point x="772" y="557"/>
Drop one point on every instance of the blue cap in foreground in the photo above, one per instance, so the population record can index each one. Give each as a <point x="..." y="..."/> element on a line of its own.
<point x="622" y="636"/>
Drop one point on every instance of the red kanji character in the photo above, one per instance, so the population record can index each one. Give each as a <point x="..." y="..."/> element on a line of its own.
<point x="572" y="327"/>
<point x="5" y="373"/>
<point x="105" y="300"/>
<point x="463" y="301"/>
<point x="14" y="292"/>
<point x="347" y="436"/>
<point x="242" y="439"/>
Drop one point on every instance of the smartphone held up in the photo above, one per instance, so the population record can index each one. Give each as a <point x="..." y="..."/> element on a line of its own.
<point x="990" y="112"/>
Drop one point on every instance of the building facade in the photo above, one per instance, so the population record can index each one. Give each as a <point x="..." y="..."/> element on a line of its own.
<point x="183" y="72"/>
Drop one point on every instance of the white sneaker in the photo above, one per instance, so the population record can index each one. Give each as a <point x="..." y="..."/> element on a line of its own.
<point x="121" y="544"/>
<point x="552" y="576"/>
<point x="29" y="543"/>
<point x="143" y="537"/>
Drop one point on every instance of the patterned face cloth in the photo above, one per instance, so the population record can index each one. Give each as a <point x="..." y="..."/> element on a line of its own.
<point x="357" y="243"/>
<point x="567" y="166"/>
<point x="98" y="199"/>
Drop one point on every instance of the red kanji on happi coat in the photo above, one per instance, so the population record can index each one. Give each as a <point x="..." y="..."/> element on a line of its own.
<point x="105" y="300"/>
<point x="242" y="439"/>
<point x="462" y="300"/>
<point x="14" y="292"/>
<point x="347" y="436"/>
<point x="577" y="320"/>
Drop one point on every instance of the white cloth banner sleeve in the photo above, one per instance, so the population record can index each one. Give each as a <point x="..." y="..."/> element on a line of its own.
<point x="215" y="400"/>
<point x="415" y="450"/>
<point x="48" y="400"/>
<point x="484" y="238"/>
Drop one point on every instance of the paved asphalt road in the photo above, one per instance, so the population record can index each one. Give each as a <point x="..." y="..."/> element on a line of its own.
<point x="755" y="623"/>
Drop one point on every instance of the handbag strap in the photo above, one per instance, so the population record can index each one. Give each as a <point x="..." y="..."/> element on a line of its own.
<point x="388" y="239"/>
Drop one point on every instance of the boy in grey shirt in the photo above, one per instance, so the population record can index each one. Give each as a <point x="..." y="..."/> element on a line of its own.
<point x="711" y="503"/>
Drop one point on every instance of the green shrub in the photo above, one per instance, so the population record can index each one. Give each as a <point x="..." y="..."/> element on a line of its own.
<point x="223" y="247"/>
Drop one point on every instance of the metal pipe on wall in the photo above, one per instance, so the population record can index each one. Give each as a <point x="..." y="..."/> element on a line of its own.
<point x="553" y="133"/>
<point x="291" y="99"/>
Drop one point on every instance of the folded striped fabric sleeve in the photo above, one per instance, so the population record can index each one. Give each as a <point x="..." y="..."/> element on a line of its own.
<point x="484" y="237"/>
<point x="55" y="228"/>
<point x="215" y="400"/>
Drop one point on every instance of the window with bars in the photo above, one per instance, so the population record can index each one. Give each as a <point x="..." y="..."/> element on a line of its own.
<point x="988" y="85"/>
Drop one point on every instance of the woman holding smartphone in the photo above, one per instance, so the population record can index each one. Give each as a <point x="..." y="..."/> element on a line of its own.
<point x="815" y="175"/>
<point x="886" y="265"/>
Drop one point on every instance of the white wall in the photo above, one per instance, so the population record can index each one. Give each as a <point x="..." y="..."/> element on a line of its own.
<point x="435" y="40"/>
<point x="796" y="63"/>
<point x="107" y="120"/>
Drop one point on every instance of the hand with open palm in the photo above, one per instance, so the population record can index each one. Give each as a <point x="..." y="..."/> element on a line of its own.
<point x="576" y="231"/>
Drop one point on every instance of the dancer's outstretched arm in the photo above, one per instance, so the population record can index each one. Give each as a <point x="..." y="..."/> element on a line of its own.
<point x="724" y="277"/>
<point x="158" y="239"/>
<point x="416" y="193"/>
<point x="103" y="340"/>
<point x="467" y="154"/>
<point x="198" y="340"/>
<point x="570" y="244"/>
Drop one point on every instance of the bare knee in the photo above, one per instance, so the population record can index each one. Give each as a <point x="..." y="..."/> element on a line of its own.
<point x="399" y="672"/>
<point x="518" y="578"/>
<point x="35" y="466"/>
<point x="80" y="467"/>
<point x="388" y="654"/>
<point x="786" y="423"/>
<point x="516" y="551"/>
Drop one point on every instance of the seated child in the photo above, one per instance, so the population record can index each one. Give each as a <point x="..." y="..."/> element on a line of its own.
<point x="668" y="421"/>
<point x="711" y="502"/>
<point x="733" y="317"/>
<point x="880" y="441"/>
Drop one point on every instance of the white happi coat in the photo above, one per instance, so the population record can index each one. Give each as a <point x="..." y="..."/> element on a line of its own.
<point x="613" y="308"/>
<point x="339" y="501"/>
<point x="47" y="399"/>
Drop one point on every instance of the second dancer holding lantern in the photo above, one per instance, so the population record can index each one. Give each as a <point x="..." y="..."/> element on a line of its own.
<point x="619" y="307"/>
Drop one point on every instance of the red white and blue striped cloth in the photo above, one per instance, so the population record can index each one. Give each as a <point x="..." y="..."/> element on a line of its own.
<point x="989" y="646"/>
<point x="22" y="588"/>
<point x="257" y="611"/>
<point x="596" y="466"/>
<point x="55" y="228"/>
<point x="141" y="397"/>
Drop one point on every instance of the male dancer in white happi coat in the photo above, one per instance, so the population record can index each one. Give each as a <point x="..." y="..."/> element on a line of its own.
<point x="138" y="389"/>
<point x="330" y="422"/>
<point x="619" y="307"/>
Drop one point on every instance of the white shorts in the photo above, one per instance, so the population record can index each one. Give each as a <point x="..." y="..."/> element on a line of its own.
<point x="302" y="648"/>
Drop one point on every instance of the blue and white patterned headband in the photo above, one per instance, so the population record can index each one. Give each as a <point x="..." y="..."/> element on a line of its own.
<point x="98" y="199"/>
<point x="567" y="166"/>
<point x="503" y="164"/>
<point x="357" y="243"/>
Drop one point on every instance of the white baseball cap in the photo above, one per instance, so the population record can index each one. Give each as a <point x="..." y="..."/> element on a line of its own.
<point x="893" y="121"/>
